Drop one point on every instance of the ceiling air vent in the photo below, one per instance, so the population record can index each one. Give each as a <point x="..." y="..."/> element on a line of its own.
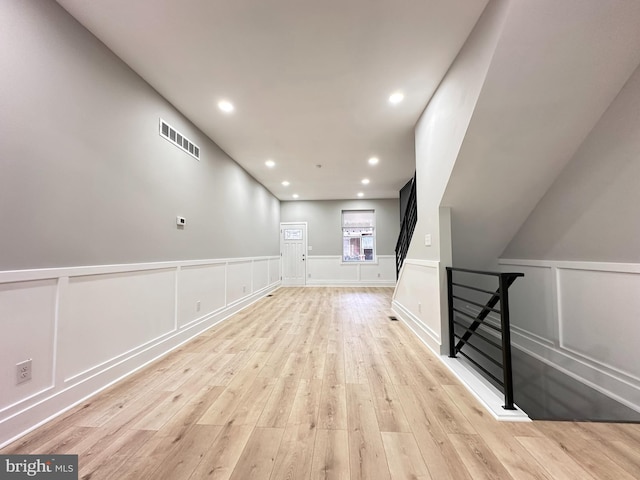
<point x="171" y="134"/>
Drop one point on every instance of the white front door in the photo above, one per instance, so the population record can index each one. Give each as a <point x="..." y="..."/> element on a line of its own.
<point x="293" y="250"/>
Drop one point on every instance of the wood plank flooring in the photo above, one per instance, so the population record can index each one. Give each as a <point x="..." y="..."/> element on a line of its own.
<point x="317" y="383"/>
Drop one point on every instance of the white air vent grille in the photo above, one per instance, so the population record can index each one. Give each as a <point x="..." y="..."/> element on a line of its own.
<point x="171" y="134"/>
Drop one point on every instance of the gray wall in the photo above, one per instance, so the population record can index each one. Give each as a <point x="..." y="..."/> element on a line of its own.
<point x="85" y="179"/>
<point x="591" y="211"/>
<point x="324" y="219"/>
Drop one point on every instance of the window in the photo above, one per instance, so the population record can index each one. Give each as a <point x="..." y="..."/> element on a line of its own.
<point x="358" y="236"/>
<point x="293" y="234"/>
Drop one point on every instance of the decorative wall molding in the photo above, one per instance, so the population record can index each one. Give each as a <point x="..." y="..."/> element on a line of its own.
<point x="575" y="265"/>
<point x="422" y="263"/>
<point x="135" y="313"/>
<point x="329" y="270"/>
<point x="581" y="318"/>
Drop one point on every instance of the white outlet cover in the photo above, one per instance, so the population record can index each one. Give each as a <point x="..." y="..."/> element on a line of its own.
<point x="427" y="240"/>
<point x="23" y="372"/>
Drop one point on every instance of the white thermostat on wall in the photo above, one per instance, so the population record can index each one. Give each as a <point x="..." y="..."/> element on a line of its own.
<point x="181" y="221"/>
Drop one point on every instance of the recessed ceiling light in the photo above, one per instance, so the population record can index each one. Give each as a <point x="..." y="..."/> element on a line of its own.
<point x="365" y="181"/>
<point x="373" y="161"/>
<point x="285" y="183"/>
<point x="360" y="194"/>
<point x="225" y="106"/>
<point x="270" y="163"/>
<point x="295" y="195"/>
<point x="396" y="98"/>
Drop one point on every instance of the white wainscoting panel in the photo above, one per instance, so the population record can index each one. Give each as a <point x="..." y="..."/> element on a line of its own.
<point x="87" y="327"/>
<point x="582" y="318"/>
<point x="417" y="300"/>
<point x="383" y="271"/>
<point x="599" y="313"/>
<point x="106" y="316"/>
<point x="536" y="314"/>
<point x="27" y="318"/>
<point x="325" y="269"/>
<point x="260" y="274"/>
<point x="274" y="270"/>
<point x="200" y="283"/>
<point x="238" y="280"/>
<point x="330" y="270"/>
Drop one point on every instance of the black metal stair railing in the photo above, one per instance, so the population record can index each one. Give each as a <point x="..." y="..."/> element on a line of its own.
<point x="406" y="228"/>
<point x="497" y="353"/>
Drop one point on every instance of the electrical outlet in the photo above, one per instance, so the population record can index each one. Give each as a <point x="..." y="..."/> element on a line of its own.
<point x="198" y="306"/>
<point x="244" y="289"/>
<point x="23" y="372"/>
<point x="419" y="307"/>
<point x="378" y="274"/>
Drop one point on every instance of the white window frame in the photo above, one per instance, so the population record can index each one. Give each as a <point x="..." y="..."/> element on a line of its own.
<point x="374" y="260"/>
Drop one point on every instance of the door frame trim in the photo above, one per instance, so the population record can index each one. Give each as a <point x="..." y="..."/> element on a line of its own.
<point x="305" y="246"/>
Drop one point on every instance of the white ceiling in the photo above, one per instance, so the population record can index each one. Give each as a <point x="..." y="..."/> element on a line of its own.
<point x="309" y="79"/>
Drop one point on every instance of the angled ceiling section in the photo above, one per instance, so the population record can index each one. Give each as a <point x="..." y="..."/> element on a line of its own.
<point x="556" y="69"/>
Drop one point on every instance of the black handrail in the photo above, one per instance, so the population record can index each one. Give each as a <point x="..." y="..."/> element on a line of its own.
<point x="501" y="295"/>
<point x="406" y="227"/>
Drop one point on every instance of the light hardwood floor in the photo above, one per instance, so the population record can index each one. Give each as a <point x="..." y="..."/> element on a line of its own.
<point x="317" y="383"/>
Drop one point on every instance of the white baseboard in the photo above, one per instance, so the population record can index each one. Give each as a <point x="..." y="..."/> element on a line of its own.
<point x="331" y="271"/>
<point x="347" y="283"/>
<point x="474" y="382"/>
<point x="491" y="398"/>
<point x="430" y="338"/>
